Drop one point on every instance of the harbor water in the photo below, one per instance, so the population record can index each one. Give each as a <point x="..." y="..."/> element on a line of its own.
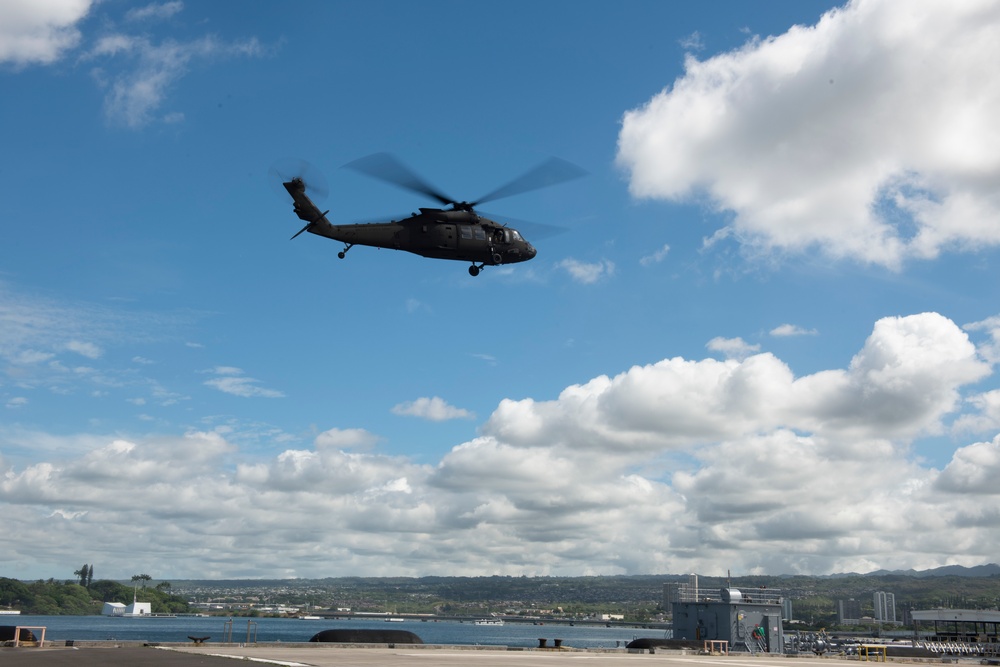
<point x="266" y="630"/>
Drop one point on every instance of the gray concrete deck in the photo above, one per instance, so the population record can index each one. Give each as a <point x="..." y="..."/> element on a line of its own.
<point x="339" y="656"/>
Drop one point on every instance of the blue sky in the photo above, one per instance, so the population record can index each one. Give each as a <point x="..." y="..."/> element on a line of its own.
<point x="766" y="342"/>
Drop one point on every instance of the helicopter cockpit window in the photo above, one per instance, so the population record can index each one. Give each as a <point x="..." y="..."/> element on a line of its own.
<point x="514" y="236"/>
<point x="465" y="231"/>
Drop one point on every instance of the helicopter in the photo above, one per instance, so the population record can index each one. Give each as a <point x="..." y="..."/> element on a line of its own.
<point x="456" y="233"/>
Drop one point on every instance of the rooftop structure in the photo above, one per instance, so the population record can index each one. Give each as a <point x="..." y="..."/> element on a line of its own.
<point x="960" y="625"/>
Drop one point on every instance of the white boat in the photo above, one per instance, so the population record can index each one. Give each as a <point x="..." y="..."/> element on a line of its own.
<point x="490" y="621"/>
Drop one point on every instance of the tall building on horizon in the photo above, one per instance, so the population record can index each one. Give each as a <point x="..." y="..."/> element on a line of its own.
<point x="670" y="596"/>
<point x="885" y="607"/>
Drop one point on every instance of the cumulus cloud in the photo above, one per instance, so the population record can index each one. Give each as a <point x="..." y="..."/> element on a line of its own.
<point x="841" y="136"/>
<point x="586" y="272"/>
<point x="351" y="438"/>
<point x="973" y="470"/>
<point x="676" y="466"/>
<point x="231" y="380"/>
<point x="986" y="417"/>
<point x="786" y="330"/>
<point x="990" y="349"/>
<point x="732" y="348"/>
<point x="40" y="31"/>
<point x="434" y="409"/>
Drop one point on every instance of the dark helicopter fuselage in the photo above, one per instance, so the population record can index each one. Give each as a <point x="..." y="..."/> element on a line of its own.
<point x="437" y="233"/>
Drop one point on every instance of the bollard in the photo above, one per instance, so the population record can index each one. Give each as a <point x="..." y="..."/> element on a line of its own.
<point x="542" y="642"/>
<point x="558" y="643"/>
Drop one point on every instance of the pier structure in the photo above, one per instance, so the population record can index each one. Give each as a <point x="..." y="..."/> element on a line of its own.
<point x="749" y="620"/>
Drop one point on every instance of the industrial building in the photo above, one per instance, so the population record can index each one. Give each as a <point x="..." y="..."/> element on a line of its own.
<point x="748" y="620"/>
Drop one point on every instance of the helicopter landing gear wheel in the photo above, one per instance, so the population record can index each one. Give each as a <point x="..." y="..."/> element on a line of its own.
<point x="474" y="270"/>
<point x="343" y="253"/>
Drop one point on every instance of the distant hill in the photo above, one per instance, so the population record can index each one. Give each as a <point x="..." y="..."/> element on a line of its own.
<point x="989" y="570"/>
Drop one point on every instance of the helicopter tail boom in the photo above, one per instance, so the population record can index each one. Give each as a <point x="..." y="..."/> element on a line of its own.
<point x="305" y="208"/>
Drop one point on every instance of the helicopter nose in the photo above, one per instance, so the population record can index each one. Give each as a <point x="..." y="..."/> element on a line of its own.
<point x="530" y="251"/>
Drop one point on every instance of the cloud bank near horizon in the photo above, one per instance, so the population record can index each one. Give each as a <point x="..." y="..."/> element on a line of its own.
<point x="681" y="465"/>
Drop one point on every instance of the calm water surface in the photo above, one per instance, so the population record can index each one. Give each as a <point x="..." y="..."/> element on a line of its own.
<point x="59" y="628"/>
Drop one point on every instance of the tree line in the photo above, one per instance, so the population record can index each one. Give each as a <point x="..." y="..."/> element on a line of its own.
<point x="54" y="598"/>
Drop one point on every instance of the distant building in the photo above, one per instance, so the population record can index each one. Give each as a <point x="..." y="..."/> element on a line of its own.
<point x="786" y="610"/>
<point x="885" y="607"/>
<point x="848" y="612"/>
<point x="671" y="594"/>
<point x="690" y="587"/>
<point x="134" y="609"/>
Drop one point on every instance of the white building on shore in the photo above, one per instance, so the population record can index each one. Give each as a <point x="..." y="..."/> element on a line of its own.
<point x="131" y="610"/>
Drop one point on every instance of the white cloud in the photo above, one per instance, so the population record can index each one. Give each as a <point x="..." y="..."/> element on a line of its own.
<point x="17" y="402"/>
<point x="785" y="330"/>
<point x="488" y="358"/>
<point x="656" y="257"/>
<point x="154" y="11"/>
<point x="434" y="409"/>
<point x="587" y="273"/>
<point x="991" y="348"/>
<point x="138" y="72"/>
<point x="973" y="470"/>
<point x="732" y="348"/>
<point x="738" y="464"/>
<point x="351" y="438"/>
<point x="986" y="419"/>
<point x="84" y="348"/>
<point x="134" y="95"/>
<point x="693" y="42"/>
<point x="842" y="135"/>
<point x="37" y="332"/>
<point x="39" y="31"/>
<point x="231" y="380"/>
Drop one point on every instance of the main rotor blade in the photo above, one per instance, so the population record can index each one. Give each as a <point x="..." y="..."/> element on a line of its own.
<point x="385" y="167"/>
<point x="551" y="172"/>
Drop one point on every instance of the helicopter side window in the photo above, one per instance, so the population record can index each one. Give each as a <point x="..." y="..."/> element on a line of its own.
<point x="480" y="233"/>
<point x="465" y="231"/>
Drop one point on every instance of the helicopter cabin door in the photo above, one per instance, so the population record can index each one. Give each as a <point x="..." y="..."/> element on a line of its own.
<point x="441" y="236"/>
